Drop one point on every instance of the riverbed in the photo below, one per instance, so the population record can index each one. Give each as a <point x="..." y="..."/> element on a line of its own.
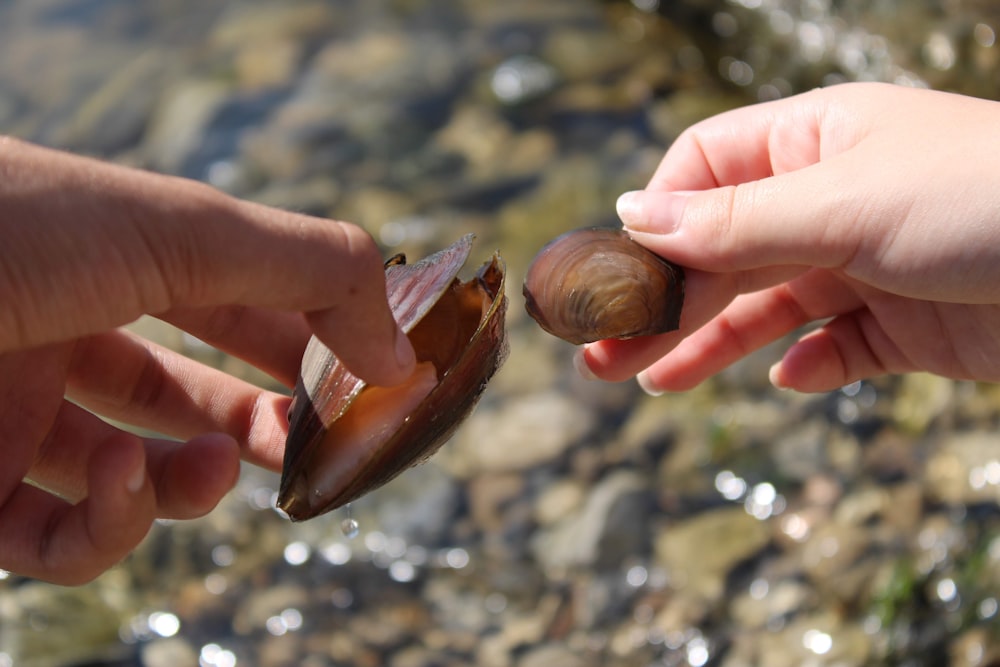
<point x="568" y="523"/>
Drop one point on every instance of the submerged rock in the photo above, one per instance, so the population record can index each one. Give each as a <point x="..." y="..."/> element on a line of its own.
<point x="700" y="552"/>
<point x="607" y="529"/>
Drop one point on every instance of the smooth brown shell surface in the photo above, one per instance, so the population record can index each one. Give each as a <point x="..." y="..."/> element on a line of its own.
<point x="347" y="438"/>
<point x="593" y="284"/>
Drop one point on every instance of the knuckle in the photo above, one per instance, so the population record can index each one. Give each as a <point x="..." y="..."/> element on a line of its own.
<point x="721" y="220"/>
<point x="223" y="323"/>
<point x="360" y="247"/>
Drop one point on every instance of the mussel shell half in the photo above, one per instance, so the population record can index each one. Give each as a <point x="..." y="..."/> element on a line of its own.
<point x="597" y="283"/>
<point x="458" y="331"/>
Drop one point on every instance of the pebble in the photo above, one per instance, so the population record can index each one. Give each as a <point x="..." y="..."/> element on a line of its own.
<point x="558" y="501"/>
<point x="172" y="652"/>
<point x="765" y="604"/>
<point x="606" y="529"/>
<point x="181" y="123"/>
<point x="552" y="654"/>
<point x="700" y="552"/>
<point x="530" y="430"/>
<point x="964" y="469"/>
<point x="261" y="606"/>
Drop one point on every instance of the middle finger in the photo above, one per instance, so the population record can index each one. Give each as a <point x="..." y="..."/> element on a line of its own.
<point x="120" y="375"/>
<point x="706" y="295"/>
<point x="748" y="324"/>
<point x="271" y="340"/>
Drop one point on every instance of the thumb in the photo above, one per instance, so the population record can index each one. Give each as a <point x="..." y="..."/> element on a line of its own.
<point x="797" y="218"/>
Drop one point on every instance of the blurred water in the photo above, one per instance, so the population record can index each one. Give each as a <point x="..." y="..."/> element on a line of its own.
<point x="728" y="526"/>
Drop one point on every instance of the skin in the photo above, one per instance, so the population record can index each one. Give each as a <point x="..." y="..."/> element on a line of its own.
<point x="89" y="247"/>
<point x="866" y="213"/>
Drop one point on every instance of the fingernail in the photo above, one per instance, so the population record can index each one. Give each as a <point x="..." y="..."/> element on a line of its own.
<point x="772" y="376"/>
<point x="647" y="384"/>
<point x="580" y="363"/>
<point x="629" y="207"/>
<point x="405" y="356"/>
<point x="137" y="478"/>
<point x="655" y="212"/>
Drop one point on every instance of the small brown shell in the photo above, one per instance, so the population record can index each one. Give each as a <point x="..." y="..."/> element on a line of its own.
<point x="346" y="438"/>
<point x="592" y="284"/>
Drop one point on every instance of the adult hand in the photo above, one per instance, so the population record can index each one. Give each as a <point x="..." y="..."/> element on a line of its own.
<point x="868" y="209"/>
<point x="88" y="247"/>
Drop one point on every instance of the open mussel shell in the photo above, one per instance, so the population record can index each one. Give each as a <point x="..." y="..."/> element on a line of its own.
<point x="347" y="438"/>
<point x="593" y="284"/>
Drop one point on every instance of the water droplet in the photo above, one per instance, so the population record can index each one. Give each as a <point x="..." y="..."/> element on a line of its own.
<point x="349" y="526"/>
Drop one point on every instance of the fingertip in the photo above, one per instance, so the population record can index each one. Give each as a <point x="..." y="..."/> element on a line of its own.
<point x="382" y="368"/>
<point x="373" y="348"/>
<point x="629" y="207"/>
<point x="599" y="361"/>
<point x="135" y="480"/>
<point x="614" y="360"/>
<point x="199" y="474"/>
<point x="646" y="383"/>
<point x="120" y="506"/>
<point x="72" y="544"/>
<point x="654" y="212"/>
<point x="812" y="364"/>
<point x="406" y="356"/>
<point x="221" y="451"/>
<point x="776" y="378"/>
<point x="582" y="366"/>
<point x="118" y="468"/>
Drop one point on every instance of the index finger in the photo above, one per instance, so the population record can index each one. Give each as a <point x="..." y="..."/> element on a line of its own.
<point x="106" y="244"/>
<point x="742" y="145"/>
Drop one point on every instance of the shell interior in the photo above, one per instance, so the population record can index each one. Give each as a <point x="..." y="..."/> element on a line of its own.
<point x="347" y="438"/>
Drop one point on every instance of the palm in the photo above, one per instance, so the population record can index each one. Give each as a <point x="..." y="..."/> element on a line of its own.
<point x="953" y="340"/>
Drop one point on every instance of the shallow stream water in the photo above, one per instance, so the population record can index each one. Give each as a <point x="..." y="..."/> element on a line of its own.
<point x="568" y="523"/>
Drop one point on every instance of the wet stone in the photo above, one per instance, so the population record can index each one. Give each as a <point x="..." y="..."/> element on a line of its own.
<point x="552" y="654"/>
<point x="530" y="430"/>
<point x="266" y="604"/>
<point x="180" y="125"/>
<point x="700" y="552"/>
<point x="491" y="495"/>
<point x="921" y="399"/>
<point x="606" y="529"/>
<point x="174" y="652"/>
<point x="558" y="501"/>
<point x="964" y="469"/>
<point x="765" y="603"/>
